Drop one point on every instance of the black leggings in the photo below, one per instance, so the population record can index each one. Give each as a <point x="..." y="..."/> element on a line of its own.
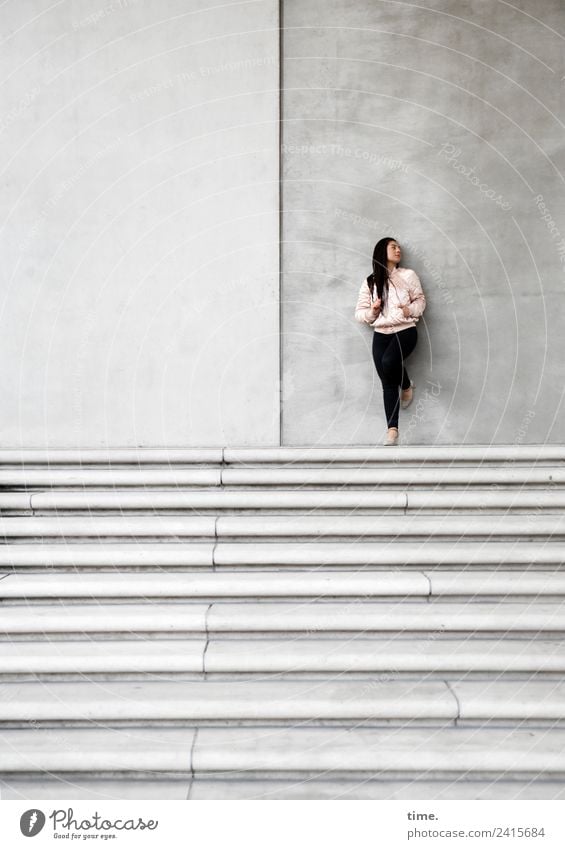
<point x="389" y="352"/>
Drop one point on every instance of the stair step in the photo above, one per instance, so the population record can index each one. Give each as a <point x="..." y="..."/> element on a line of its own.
<point x="146" y="750"/>
<point x="115" y="456"/>
<point x="195" y="701"/>
<point x="376" y="751"/>
<point x="50" y="786"/>
<point x="389" y="526"/>
<point x="270" y="751"/>
<point x="257" y="584"/>
<point x="111" y="477"/>
<point x="385" y="554"/>
<point x="499" y="583"/>
<point x="118" y="618"/>
<point x="108" y="555"/>
<point x="259" y="701"/>
<point x="447" y="477"/>
<point x="231" y="584"/>
<point x="109" y="526"/>
<point x="458" y="787"/>
<point x="385" y="616"/>
<point x="354" y="654"/>
<point x="396" y="454"/>
<point x="266" y="616"/>
<point x="269" y="500"/>
<point x="429" y="552"/>
<point x="211" y="500"/>
<point x="104" y="656"/>
<point x="487" y="700"/>
<point x="484" y="526"/>
<point x="471" y="453"/>
<point x="405" y="476"/>
<point x="395" y="655"/>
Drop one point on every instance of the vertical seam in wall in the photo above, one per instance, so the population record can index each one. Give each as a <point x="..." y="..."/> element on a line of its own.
<point x="457" y="702"/>
<point x="280" y="214"/>
<point x="192" y="748"/>
<point x="207" y="636"/>
<point x="429" y="580"/>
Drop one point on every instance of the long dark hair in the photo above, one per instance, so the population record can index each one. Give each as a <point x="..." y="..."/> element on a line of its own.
<point x="379" y="278"/>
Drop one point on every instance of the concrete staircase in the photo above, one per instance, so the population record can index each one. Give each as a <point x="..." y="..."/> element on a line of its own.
<point x="283" y="623"/>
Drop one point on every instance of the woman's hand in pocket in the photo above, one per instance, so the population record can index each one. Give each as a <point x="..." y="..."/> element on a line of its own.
<point x="406" y="311"/>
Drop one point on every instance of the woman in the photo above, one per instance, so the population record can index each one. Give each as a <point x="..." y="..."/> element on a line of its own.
<point x="391" y="300"/>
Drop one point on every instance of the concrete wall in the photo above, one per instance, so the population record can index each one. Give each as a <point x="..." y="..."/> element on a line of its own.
<point x="139" y="232"/>
<point x="443" y="127"/>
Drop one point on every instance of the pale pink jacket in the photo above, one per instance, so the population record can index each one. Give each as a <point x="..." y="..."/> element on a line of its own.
<point x="404" y="289"/>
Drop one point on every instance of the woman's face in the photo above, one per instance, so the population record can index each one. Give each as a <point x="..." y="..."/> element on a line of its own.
<point x="393" y="252"/>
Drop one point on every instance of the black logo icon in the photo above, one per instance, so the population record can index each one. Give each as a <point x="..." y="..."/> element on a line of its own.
<point x="32" y="822"/>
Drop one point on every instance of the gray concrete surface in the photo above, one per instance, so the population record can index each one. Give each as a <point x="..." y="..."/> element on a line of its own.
<point x="139" y="229"/>
<point x="139" y="223"/>
<point x="443" y="127"/>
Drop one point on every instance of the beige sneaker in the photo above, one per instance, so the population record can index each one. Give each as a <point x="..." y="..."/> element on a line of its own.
<point x="392" y="436"/>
